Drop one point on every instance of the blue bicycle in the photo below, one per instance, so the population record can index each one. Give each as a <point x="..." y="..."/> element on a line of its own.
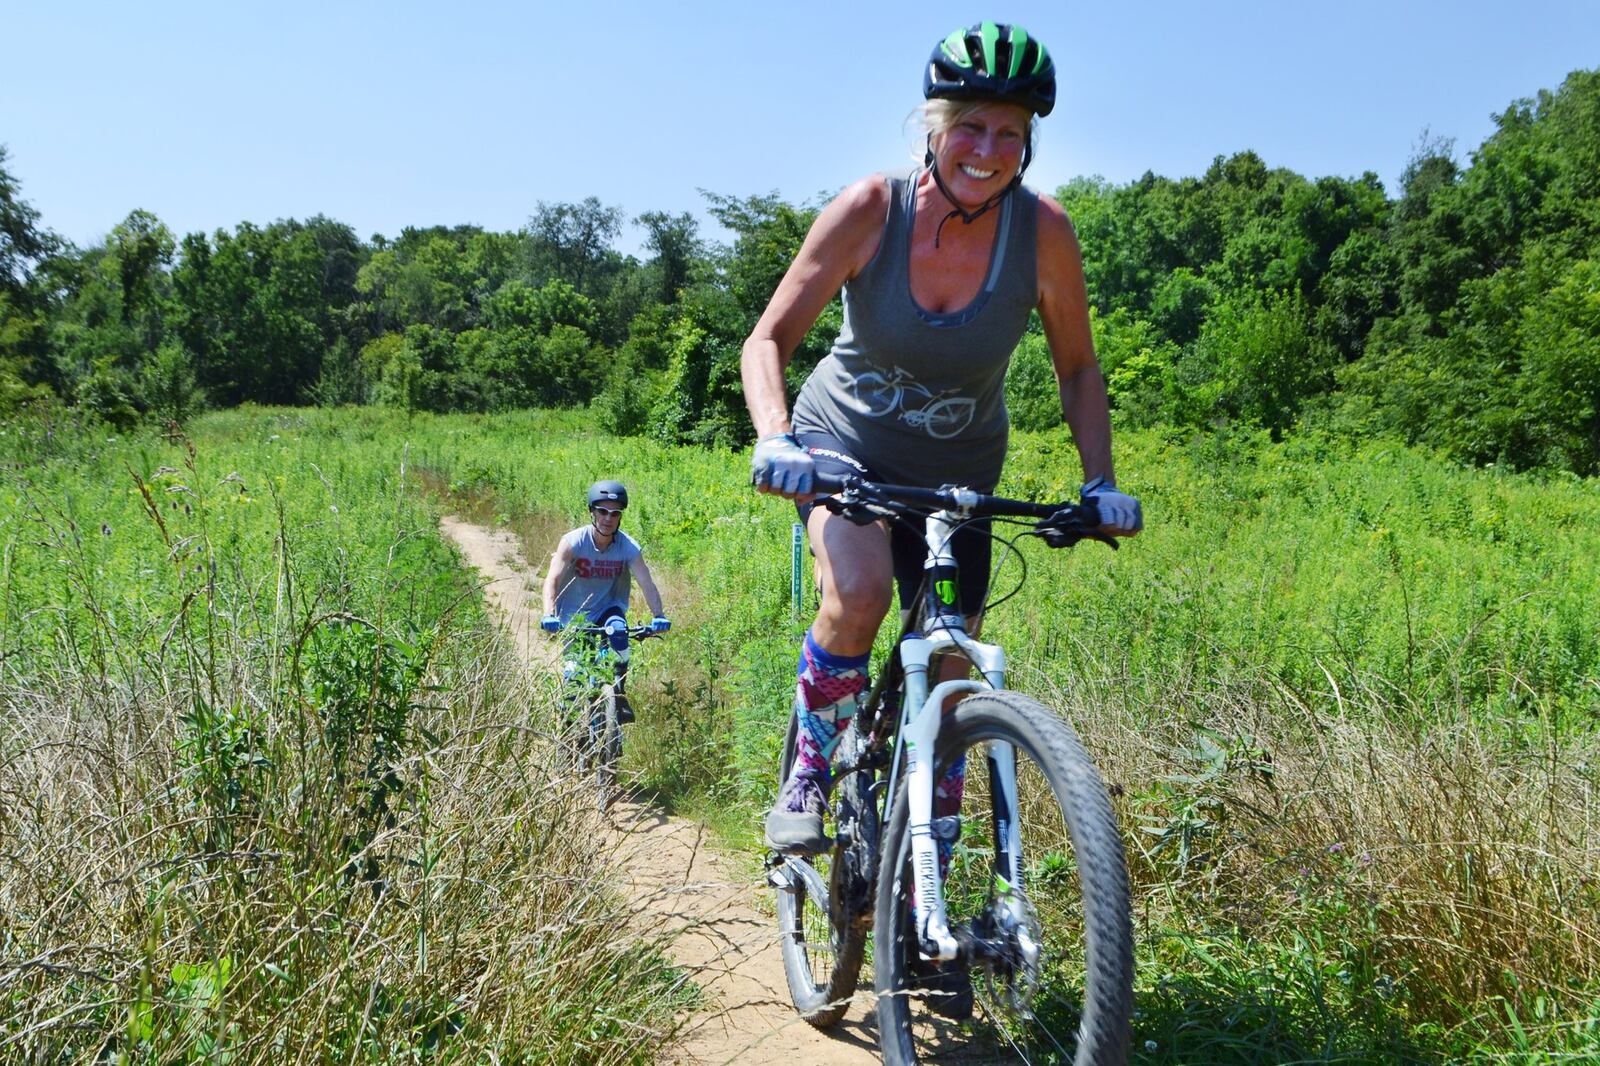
<point x="593" y="727"/>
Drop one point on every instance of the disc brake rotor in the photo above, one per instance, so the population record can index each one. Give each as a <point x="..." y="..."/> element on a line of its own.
<point x="1011" y="980"/>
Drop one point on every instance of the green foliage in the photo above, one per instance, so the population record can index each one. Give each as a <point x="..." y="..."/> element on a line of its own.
<point x="1517" y="383"/>
<point x="573" y="241"/>
<point x="768" y="233"/>
<point x="107" y="392"/>
<point x="1031" y="396"/>
<point x="340" y="381"/>
<point x="169" y="385"/>
<point x="1188" y="811"/>
<point x="256" y="307"/>
<point x="1453" y="316"/>
<point x="702" y="398"/>
<point x="221" y="759"/>
<point x="1141" y="367"/>
<point x="623" y="407"/>
<point x="1265" y="366"/>
<point x="673" y="240"/>
<point x="27" y="303"/>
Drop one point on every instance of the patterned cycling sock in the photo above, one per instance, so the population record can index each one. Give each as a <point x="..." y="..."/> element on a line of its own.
<point x="826" y="694"/>
<point x="946" y="802"/>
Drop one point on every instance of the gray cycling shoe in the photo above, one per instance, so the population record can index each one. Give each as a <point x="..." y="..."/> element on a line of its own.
<point x="794" y="825"/>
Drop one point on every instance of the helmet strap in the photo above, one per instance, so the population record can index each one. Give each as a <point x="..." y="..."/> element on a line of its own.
<point x="968" y="217"/>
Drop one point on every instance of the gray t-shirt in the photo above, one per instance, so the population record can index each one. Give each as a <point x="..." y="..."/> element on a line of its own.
<point x="597" y="580"/>
<point x="920" y="397"/>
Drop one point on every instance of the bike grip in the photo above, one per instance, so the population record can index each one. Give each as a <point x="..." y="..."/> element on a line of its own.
<point x="823" y="483"/>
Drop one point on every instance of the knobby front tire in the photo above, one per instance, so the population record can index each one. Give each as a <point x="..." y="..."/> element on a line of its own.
<point x="824" y="905"/>
<point x="605" y="747"/>
<point x="1076" y="1003"/>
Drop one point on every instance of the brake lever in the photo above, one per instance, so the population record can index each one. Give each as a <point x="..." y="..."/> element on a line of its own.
<point x="1073" y="523"/>
<point x="859" y="512"/>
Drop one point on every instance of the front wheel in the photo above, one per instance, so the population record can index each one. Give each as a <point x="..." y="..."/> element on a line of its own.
<point x="1048" y="946"/>
<point x="605" y="746"/>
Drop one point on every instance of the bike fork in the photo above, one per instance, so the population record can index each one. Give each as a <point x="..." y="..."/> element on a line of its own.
<point x="924" y="712"/>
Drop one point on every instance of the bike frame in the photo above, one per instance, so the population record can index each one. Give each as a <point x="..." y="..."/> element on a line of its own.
<point x="921" y="715"/>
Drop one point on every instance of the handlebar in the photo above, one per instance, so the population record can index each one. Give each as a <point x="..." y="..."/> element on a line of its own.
<point x="638" y="632"/>
<point x="1059" y="524"/>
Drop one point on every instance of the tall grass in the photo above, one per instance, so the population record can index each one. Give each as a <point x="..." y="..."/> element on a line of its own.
<point x="1347" y="698"/>
<point x="270" y="788"/>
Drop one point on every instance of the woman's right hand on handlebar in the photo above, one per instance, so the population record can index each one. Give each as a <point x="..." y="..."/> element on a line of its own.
<point x="780" y="465"/>
<point x="550" y="623"/>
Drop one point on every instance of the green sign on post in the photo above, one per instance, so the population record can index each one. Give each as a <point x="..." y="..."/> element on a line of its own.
<point x="796" y="542"/>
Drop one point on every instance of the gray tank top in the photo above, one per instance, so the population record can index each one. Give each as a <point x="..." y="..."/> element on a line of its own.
<point x="597" y="580"/>
<point x="920" y="397"/>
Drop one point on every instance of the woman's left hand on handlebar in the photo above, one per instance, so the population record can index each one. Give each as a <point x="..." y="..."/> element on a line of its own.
<point x="1120" y="514"/>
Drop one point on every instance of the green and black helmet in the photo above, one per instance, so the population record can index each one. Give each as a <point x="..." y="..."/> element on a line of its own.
<point x="992" y="61"/>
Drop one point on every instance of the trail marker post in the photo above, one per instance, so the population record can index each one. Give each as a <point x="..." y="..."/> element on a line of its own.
<point x="796" y="539"/>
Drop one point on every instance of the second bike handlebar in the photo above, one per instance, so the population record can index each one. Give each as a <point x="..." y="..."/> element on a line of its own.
<point x="637" y="632"/>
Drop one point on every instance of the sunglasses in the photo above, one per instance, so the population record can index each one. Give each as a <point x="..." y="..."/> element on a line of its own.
<point x="608" y="512"/>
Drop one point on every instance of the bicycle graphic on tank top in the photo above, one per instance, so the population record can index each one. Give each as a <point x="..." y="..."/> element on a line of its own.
<point x="941" y="415"/>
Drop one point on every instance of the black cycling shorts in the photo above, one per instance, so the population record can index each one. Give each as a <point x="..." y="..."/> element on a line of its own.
<point x="971" y="544"/>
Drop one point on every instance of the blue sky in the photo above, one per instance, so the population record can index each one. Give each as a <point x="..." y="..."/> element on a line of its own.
<point x="402" y="113"/>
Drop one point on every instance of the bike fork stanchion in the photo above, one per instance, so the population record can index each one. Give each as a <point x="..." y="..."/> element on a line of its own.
<point x="1002" y="759"/>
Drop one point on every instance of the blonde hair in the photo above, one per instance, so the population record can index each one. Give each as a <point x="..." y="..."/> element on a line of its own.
<point x="940" y="114"/>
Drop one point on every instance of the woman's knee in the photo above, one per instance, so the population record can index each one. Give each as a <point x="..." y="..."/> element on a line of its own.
<point x="858" y="596"/>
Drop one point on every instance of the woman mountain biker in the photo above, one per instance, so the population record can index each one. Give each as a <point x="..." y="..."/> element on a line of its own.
<point x="590" y="573"/>
<point x="938" y="307"/>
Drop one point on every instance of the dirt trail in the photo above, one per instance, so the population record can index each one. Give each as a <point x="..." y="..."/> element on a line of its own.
<point x="674" y="876"/>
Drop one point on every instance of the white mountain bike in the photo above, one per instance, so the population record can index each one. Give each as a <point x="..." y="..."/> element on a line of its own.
<point x="1028" y="911"/>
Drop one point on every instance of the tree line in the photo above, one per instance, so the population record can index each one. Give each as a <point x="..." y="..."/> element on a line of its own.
<point x="1462" y="314"/>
